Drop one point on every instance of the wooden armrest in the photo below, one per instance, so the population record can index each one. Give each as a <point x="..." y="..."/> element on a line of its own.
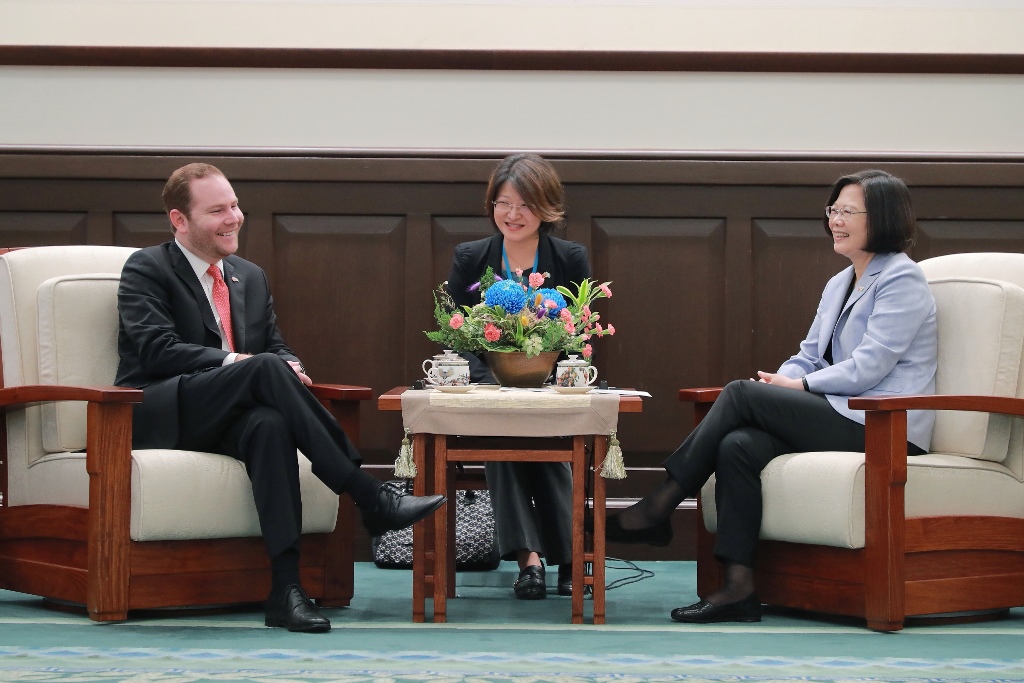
<point x="985" y="404"/>
<point x="341" y="392"/>
<point x="701" y="395"/>
<point x="15" y="397"/>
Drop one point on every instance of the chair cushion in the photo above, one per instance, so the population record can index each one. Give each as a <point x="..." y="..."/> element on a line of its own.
<point x="981" y="332"/>
<point x="77" y="321"/>
<point x="818" y="498"/>
<point x="182" y="494"/>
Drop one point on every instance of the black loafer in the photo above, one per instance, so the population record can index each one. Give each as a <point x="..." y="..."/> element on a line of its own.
<point x="530" y="585"/>
<point x="291" y="609"/>
<point x="703" y="612"/>
<point x="565" y="579"/>
<point x="396" y="510"/>
<point x="659" y="534"/>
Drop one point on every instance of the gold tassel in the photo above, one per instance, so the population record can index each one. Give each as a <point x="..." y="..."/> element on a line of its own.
<point x="613" y="466"/>
<point x="405" y="468"/>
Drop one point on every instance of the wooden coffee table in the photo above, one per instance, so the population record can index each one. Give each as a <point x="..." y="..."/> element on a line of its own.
<point x="434" y="538"/>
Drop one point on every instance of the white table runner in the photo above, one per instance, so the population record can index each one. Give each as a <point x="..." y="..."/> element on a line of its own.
<point x="509" y="413"/>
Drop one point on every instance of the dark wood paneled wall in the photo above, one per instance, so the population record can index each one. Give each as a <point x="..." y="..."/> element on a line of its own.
<point x="717" y="265"/>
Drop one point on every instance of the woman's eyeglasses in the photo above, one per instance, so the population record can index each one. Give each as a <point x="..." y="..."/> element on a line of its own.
<point x="843" y="213"/>
<point x="505" y="207"/>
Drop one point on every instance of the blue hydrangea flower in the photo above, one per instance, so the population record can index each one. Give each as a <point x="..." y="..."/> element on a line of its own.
<point x="508" y="294"/>
<point x="555" y="296"/>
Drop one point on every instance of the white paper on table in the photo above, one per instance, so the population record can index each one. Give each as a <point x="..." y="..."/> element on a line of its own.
<point x="622" y="392"/>
<point x="548" y="389"/>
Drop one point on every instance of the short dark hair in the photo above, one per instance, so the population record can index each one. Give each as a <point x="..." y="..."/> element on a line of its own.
<point x="891" y="223"/>
<point x="177" y="192"/>
<point x="536" y="181"/>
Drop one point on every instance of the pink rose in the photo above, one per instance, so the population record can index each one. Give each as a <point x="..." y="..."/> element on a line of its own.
<point x="491" y="332"/>
<point x="597" y="328"/>
<point x="607" y="291"/>
<point x="457" y="321"/>
<point x="588" y="350"/>
<point x="570" y="328"/>
<point x="536" y="280"/>
<point x="550" y="303"/>
<point x="586" y="313"/>
<point x="565" y="315"/>
<point x="611" y="329"/>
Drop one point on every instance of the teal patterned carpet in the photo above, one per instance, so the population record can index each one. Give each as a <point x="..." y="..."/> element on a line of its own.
<point x="491" y="638"/>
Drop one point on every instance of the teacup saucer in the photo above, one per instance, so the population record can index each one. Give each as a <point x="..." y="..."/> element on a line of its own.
<point x="572" y="390"/>
<point x="458" y="389"/>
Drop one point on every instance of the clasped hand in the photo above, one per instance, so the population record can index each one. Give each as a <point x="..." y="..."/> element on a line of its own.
<point x="296" y="366"/>
<point x="779" y="380"/>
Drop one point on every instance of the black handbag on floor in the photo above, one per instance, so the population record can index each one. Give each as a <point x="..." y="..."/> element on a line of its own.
<point x="476" y="547"/>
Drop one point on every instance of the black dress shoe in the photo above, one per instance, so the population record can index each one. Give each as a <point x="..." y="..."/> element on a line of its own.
<point x="703" y="612"/>
<point x="565" y="579"/>
<point x="291" y="609"/>
<point x="395" y="509"/>
<point x="531" y="583"/>
<point x="659" y="534"/>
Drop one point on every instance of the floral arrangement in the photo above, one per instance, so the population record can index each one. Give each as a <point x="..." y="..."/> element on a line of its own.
<point x="521" y="316"/>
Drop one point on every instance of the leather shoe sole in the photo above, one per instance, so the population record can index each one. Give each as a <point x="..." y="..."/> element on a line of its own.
<point x="397" y="511"/>
<point x="746" y="610"/>
<point x="659" y="535"/>
<point x="291" y="609"/>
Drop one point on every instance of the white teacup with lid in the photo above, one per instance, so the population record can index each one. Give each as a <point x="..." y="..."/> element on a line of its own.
<point x="574" y="372"/>
<point x="447" y="369"/>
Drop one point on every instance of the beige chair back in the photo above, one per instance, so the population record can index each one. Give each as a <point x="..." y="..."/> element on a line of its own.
<point x="49" y="298"/>
<point x="980" y="301"/>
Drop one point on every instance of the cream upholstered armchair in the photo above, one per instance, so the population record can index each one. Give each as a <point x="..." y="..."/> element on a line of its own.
<point x="882" y="536"/>
<point x="86" y="519"/>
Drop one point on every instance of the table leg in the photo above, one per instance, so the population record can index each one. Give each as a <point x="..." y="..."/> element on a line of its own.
<point x="579" y="504"/>
<point x="598" y="540"/>
<point x="451" y="508"/>
<point x="441" y="532"/>
<point x="421" y="536"/>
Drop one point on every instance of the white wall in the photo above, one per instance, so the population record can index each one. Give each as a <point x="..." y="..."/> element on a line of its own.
<point x="220" y="108"/>
<point x="950" y="26"/>
<point x="130" y="108"/>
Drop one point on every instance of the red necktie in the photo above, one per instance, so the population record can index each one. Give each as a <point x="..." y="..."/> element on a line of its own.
<point x="223" y="304"/>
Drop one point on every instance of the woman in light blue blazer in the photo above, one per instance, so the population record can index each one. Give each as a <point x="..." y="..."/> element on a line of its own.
<point x="874" y="334"/>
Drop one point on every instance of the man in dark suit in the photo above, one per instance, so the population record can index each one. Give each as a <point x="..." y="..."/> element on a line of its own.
<point x="199" y="336"/>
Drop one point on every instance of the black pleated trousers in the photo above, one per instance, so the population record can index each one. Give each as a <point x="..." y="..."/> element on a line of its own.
<point x="258" y="411"/>
<point x="750" y="424"/>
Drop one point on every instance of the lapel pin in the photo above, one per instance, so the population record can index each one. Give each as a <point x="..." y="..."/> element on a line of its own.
<point x="234" y="279"/>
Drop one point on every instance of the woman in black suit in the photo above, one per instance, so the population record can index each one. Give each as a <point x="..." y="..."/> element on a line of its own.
<point x="532" y="501"/>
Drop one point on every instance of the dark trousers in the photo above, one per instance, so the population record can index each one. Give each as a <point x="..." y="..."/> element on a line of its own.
<point x="750" y="424"/>
<point x="532" y="508"/>
<point x="258" y="411"/>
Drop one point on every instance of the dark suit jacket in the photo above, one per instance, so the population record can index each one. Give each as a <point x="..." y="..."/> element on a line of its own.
<point x="167" y="330"/>
<point x="566" y="262"/>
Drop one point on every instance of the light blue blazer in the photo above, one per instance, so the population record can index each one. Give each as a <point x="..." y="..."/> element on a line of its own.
<point x="884" y="341"/>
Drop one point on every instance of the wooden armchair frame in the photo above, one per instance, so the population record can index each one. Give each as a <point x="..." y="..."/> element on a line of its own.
<point x="85" y="556"/>
<point x="908" y="567"/>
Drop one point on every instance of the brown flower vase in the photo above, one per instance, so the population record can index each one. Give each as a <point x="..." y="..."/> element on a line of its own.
<point x="514" y="369"/>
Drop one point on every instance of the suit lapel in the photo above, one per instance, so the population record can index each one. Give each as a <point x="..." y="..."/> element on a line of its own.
<point x="183" y="269"/>
<point x="871" y="273"/>
<point x="494" y="256"/>
<point x="545" y="256"/>
<point x="237" y="296"/>
<point x="874" y="267"/>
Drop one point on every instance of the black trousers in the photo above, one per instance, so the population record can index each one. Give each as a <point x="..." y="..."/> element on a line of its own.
<point x="750" y="424"/>
<point x="258" y="411"/>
